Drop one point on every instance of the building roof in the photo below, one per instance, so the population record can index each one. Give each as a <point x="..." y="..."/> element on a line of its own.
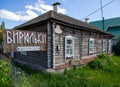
<point x="115" y="26"/>
<point x="107" y="23"/>
<point x="115" y="30"/>
<point x="64" y="19"/>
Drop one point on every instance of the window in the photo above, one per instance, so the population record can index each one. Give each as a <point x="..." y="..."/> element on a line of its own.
<point x="69" y="47"/>
<point x="91" y="46"/>
<point x="109" y="45"/>
<point x="104" y="45"/>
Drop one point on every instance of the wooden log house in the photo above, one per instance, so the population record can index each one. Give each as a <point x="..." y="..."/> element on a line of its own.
<point x="66" y="38"/>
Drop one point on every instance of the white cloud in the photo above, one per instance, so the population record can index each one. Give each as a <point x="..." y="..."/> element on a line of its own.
<point x="39" y="6"/>
<point x="8" y="15"/>
<point x="61" y="10"/>
<point x="46" y="7"/>
<point x="29" y="15"/>
<point x="35" y="8"/>
<point x="17" y="16"/>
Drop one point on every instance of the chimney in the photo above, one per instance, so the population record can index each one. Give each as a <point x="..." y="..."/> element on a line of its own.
<point x="87" y="20"/>
<point x="55" y="6"/>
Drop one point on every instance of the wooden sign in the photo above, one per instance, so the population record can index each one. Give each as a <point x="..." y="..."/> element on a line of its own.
<point x="19" y="40"/>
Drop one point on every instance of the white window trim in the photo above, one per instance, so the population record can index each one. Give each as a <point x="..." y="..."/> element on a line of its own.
<point x="110" y="44"/>
<point x="69" y="37"/>
<point x="104" y="45"/>
<point x="91" y="52"/>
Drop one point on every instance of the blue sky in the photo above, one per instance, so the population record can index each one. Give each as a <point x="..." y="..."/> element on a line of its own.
<point x="16" y="12"/>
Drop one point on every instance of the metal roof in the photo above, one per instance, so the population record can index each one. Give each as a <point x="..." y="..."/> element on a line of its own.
<point x="107" y="23"/>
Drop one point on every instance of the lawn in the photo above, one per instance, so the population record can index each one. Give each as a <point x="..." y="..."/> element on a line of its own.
<point x="101" y="72"/>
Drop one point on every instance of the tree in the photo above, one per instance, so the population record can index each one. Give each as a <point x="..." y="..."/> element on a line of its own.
<point x="116" y="48"/>
<point x="118" y="41"/>
<point x="2" y="27"/>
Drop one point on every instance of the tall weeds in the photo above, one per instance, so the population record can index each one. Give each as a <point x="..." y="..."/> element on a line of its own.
<point x="5" y="77"/>
<point x="101" y="72"/>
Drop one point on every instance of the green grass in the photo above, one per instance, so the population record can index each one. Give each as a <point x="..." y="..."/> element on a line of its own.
<point x="105" y="73"/>
<point x="5" y="77"/>
<point x="102" y="72"/>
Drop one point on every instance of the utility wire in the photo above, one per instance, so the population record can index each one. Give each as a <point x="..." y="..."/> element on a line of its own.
<point x="98" y="9"/>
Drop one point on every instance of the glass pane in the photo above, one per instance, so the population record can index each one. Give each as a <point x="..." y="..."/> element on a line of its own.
<point x="90" y="49"/>
<point x="91" y="42"/>
<point x="104" y="42"/>
<point x="67" y="46"/>
<point x="67" y="51"/>
<point x="69" y="41"/>
<point x="71" y="51"/>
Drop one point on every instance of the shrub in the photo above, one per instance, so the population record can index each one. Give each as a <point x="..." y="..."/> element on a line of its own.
<point x="95" y="64"/>
<point x="5" y="78"/>
<point x="65" y="71"/>
<point x="116" y="49"/>
<point x="103" y="61"/>
<point x="103" y="55"/>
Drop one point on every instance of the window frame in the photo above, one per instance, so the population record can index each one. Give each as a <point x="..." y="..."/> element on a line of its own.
<point x="104" y="42"/>
<point x="91" y="45"/>
<point x="69" y="37"/>
<point x="109" y="45"/>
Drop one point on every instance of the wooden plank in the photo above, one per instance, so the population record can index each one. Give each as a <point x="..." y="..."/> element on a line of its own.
<point x="18" y="38"/>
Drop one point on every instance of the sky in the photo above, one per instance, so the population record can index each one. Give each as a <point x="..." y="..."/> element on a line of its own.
<point x="16" y="12"/>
